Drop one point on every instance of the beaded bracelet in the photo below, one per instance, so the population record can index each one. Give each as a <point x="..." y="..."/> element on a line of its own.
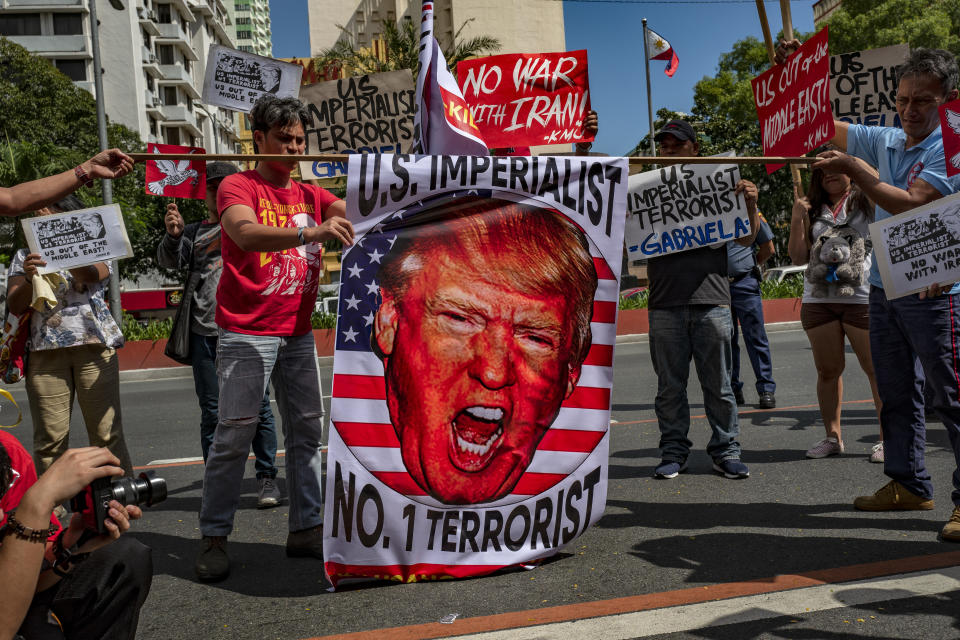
<point x="29" y="534"/>
<point x="82" y="176"/>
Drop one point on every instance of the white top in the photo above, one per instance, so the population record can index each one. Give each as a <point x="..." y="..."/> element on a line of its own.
<point x="860" y="221"/>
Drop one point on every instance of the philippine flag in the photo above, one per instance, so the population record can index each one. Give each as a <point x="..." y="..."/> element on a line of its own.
<point x="443" y="124"/>
<point x="660" y="49"/>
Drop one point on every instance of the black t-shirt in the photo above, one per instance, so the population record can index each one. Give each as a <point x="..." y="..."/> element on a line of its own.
<point x="698" y="276"/>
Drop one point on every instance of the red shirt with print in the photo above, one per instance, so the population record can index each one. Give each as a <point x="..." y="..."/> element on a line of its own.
<point x="22" y="464"/>
<point x="270" y="293"/>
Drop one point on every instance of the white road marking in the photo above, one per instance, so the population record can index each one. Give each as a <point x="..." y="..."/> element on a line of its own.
<point x="794" y="602"/>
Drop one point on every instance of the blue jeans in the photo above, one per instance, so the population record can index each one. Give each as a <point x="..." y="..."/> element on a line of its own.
<point x="747" y="306"/>
<point x="203" y="359"/>
<point x="915" y="342"/>
<point x="700" y="332"/>
<point x="245" y="364"/>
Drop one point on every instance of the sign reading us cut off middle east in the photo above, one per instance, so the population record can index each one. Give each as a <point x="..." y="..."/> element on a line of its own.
<point x="527" y="99"/>
<point x="446" y="459"/>
<point x="360" y="114"/>
<point x="793" y="102"/>
<point x="683" y="207"/>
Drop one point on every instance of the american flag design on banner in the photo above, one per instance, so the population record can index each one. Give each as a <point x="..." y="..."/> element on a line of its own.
<point x="382" y="520"/>
<point x="443" y="123"/>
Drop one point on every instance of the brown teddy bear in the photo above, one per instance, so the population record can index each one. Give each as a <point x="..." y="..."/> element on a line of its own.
<point x="836" y="258"/>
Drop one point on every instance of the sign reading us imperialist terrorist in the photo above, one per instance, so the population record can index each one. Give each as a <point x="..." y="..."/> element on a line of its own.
<point x="362" y="114"/>
<point x="919" y="248"/>
<point x="863" y="85"/>
<point x="683" y="207"/>
<point x="793" y="102"/>
<point x="473" y="363"/>
<point x="236" y="79"/>
<point x="78" y="238"/>
<point x="527" y="99"/>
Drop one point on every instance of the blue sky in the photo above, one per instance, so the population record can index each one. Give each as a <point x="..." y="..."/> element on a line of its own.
<point x="612" y="34"/>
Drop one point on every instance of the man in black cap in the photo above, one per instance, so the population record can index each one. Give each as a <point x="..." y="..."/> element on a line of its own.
<point x="196" y="247"/>
<point x="689" y="313"/>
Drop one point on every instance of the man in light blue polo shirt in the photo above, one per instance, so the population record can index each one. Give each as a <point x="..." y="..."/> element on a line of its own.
<point x="912" y="339"/>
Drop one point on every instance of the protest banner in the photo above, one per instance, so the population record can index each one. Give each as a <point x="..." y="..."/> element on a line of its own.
<point x="793" y="102"/>
<point x="360" y="114"/>
<point x="682" y="207"/>
<point x="176" y="178"/>
<point x="950" y="127"/>
<point x="527" y="99"/>
<point x="473" y="362"/>
<point x="918" y="248"/>
<point x="863" y="85"/>
<point x="236" y="79"/>
<point x="78" y="238"/>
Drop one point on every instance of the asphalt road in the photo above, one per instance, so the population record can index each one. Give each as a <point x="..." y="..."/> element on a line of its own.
<point x="660" y="543"/>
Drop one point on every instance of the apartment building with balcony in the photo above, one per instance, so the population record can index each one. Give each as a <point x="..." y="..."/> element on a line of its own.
<point x="153" y="55"/>
<point x="251" y="23"/>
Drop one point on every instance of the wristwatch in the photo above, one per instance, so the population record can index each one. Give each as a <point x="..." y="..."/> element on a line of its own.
<point x="300" y="235"/>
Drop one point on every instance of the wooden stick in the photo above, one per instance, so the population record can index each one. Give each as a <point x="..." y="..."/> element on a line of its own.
<point x="343" y="157"/>
<point x="767" y="38"/>
<point x="788" y="35"/>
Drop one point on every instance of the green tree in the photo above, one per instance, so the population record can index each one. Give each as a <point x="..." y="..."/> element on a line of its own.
<point x="869" y="24"/>
<point x="47" y="125"/>
<point x="401" y="48"/>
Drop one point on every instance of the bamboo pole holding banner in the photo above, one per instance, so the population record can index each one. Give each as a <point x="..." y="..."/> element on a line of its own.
<point x="646" y="59"/>
<point x="768" y="39"/>
<point x="636" y="163"/>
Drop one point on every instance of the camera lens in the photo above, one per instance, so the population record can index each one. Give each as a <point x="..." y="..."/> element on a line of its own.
<point x="144" y="489"/>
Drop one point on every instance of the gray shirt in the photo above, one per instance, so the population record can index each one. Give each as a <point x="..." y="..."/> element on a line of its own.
<point x="175" y="253"/>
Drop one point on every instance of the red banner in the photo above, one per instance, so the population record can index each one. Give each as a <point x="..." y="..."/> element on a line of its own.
<point x="528" y="99"/>
<point x="176" y="178"/>
<point x="950" y="126"/>
<point x="793" y="102"/>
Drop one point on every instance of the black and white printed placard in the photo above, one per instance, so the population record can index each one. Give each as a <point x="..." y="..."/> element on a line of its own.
<point x="236" y="79"/>
<point x="78" y="238"/>
<point x="919" y="248"/>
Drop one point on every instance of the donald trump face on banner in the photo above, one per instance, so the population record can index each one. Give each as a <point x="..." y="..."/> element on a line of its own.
<point x="483" y="327"/>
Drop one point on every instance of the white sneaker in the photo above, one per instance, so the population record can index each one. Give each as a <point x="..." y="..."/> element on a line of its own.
<point x="824" y="448"/>
<point x="876" y="454"/>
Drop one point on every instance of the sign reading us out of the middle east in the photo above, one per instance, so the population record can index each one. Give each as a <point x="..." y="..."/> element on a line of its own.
<point x="527" y="99"/>
<point x="683" y="207"/>
<point x="793" y="102"/>
<point x="473" y="363"/>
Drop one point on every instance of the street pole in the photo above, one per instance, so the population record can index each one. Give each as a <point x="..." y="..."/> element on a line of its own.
<point x="114" y="283"/>
<point x="646" y="59"/>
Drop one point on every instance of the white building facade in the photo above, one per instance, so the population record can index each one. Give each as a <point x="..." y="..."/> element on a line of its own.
<point x="251" y="22"/>
<point x="153" y="55"/>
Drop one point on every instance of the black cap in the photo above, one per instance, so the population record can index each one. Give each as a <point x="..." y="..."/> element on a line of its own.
<point x="679" y="129"/>
<point x="220" y="170"/>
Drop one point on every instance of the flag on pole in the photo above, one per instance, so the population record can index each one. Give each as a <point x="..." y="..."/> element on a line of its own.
<point x="660" y="49"/>
<point x="443" y="123"/>
<point x="176" y="178"/>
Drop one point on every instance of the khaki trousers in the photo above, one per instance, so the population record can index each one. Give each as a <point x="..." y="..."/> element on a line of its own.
<point x="54" y="376"/>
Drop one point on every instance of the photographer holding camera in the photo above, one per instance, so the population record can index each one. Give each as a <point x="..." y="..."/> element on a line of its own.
<point x="66" y="583"/>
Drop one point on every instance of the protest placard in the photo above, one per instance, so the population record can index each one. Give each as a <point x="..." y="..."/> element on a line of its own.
<point x="527" y="99"/>
<point x="793" y="102"/>
<point x="918" y="248"/>
<point x="950" y="127"/>
<point x="78" y="238"/>
<point x="863" y="85"/>
<point x="460" y="262"/>
<point x="683" y="207"/>
<point x="176" y="178"/>
<point x="236" y="79"/>
<point x="360" y="114"/>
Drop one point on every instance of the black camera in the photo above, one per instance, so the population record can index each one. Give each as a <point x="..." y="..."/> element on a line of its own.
<point x="94" y="501"/>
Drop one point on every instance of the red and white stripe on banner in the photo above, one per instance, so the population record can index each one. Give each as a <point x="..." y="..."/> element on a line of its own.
<point x="362" y="420"/>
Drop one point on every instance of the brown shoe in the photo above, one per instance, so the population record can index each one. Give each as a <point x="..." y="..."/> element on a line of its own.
<point x="306" y="543"/>
<point x="951" y="530"/>
<point x="893" y="496"/>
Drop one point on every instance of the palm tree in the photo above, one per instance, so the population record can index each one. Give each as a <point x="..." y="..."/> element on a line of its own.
<point x="401" y="46"/>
